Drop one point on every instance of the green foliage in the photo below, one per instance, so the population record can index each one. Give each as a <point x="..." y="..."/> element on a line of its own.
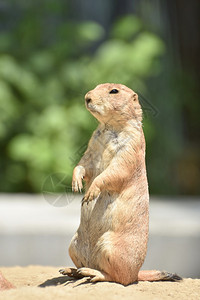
<point x="127" y="27"/>
<point x="45" y="72"/>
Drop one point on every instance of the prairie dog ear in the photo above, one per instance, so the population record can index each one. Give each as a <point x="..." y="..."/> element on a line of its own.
<point x="135" y="97"/>
<point x="137" y="107"/>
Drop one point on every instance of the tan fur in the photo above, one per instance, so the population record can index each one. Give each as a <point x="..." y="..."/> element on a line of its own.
<point x="111" y="241"/>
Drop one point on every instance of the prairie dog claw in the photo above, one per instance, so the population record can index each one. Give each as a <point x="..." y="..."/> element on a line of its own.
<point x="78" y="175"/>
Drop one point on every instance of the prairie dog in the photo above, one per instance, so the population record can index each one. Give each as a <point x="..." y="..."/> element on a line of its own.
<point x="111" y="241"/>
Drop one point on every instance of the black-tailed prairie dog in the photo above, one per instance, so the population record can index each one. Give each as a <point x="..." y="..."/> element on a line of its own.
<point x="111" y="241"/>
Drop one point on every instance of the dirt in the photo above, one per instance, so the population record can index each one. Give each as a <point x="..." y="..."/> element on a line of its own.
<point x="39" y="282"/>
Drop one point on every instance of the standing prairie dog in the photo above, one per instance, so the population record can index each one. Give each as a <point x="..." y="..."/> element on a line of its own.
<point x="111" y="241"/>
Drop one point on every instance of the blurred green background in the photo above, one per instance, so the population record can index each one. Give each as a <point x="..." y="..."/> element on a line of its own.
<point x="52" y="52"/>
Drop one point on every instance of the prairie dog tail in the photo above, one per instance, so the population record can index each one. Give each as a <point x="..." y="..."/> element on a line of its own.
<point x="154" y="275"/>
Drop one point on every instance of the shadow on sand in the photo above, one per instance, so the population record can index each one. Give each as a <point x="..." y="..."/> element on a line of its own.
<point x="63" y="280"/>
<point x="57" y="281"/>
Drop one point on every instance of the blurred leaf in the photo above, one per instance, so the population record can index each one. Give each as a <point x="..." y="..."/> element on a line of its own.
<point x="49" y="122"/>
<point x="5" y="41"/>
<point x="9" y="69"/>
<point x="143" y="52"/>
<point x="42" y="61"/>
<point x="126" y="27"/>
<point x="110" y="53"/>
<point x="18" y="76"/>
<point x="32" y="150"/>
<point x="8" y="107"/>
<point x="90" y="31"/>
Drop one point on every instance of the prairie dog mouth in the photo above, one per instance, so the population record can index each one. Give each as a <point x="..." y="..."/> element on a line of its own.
<point x="92" y="108"/>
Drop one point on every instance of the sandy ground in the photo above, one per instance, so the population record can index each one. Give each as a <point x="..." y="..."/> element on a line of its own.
<point x="38" y="282"/>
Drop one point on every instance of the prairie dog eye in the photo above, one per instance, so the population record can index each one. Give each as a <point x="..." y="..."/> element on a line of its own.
<point x="114" y="91"/>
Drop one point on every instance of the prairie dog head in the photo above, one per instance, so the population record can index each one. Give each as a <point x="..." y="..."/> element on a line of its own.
<point x="113" y="104"/>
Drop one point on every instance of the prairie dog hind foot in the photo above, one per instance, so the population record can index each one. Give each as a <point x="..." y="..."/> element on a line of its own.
<point x="94" y="275"/>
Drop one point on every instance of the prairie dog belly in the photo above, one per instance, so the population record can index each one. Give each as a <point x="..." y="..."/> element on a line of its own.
<point x="96" y="220"/>
<point x="97" y="216"/>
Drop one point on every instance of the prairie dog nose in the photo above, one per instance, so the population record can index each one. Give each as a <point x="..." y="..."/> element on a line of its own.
<point x="88" y="98"/>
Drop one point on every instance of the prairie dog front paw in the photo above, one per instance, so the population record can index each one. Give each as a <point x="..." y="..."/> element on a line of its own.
<point x="78" y="175"/>
<point x="93" y="193"/>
